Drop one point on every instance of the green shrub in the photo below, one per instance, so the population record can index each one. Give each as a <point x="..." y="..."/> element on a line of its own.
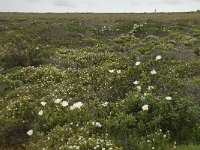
<point x="15" y="57"/>
<point x="73" y="137"/>
<point x="157" y="140"/>
<point x="15" y="120"/>
<point x="169" y="115"/>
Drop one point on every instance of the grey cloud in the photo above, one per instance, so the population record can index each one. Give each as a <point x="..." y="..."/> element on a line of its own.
<point x="165" y="2"/>
<point x="77" y="3"/>
<point x="66" y="3"/>
<point x="153" y="2"/>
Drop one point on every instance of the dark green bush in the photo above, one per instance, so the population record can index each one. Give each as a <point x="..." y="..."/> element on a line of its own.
<point x="15" y="57"/>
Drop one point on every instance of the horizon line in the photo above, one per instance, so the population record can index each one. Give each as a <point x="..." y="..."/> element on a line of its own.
<point x="192" y="11"/>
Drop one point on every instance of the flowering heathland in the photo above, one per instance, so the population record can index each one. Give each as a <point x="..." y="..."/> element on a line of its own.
<point x="112" y="86"/>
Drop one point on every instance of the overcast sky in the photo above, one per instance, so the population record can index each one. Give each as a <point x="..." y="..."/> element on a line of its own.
<point x="98" y="5"/>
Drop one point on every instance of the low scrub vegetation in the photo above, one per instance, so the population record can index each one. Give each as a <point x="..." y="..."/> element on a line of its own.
<point x="73" y="83"/>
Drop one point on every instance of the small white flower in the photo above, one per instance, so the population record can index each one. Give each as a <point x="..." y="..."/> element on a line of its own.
<point x="77" y="147"/>
<point x="103" y="148"/>
<point x="105" y="104"/>
<point x="30" y="132"/>
<point x="153" y="147"/>
<point x="97" y="124"/>
<point x="58" y="100"/>
<point x="145" y="107"/>
<point x="76" y="105"/>
<point x="43" y="103"/>
<point x="143" y="97"/>
<point x="158" y="57"/>
<point x="139" y="88"/>
<point x="153" y="72"/>
<point x="168" y="98"/>
<point x="150" y="87"/>
<point x="119" y="71"/>
<point x="64" y="103"/>
<point x="137" y="63"/>
<point x="175" y="143"/>
<point x="37" y="48"/>
<point x="111" y="71"/>
<point x="174" y="146"/>
<point x="40" y="113"/>
<point x="164" y="136"/>
<point x="146" y="94"/>
<point x="136" y="82"/>
<point x="167" y="131"/>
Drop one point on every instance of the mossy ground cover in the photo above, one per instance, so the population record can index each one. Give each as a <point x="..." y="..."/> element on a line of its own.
<point x="99" y="81"/>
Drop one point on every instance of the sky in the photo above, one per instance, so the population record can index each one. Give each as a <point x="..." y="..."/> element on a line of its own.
<point x="109" y="6"/>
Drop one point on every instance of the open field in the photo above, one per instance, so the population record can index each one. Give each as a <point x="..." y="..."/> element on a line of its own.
<point x="100" y="81"/>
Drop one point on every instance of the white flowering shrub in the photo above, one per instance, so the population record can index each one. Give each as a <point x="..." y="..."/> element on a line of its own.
<point x="157" y="140"/>
<point x="154" y="112"/>
<point x="39" y="75"/>
<point x="73" y="137"/>
<point x="15" y="119"/>
<point x="6" y="84"/>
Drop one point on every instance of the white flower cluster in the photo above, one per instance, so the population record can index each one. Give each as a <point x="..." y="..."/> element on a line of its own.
<point x="136" y="82"/>
<point x="58" y="100"/>
<point x="76" y="105"/>
<point x="113" y="70"/>
<point x="63" y="103"/>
